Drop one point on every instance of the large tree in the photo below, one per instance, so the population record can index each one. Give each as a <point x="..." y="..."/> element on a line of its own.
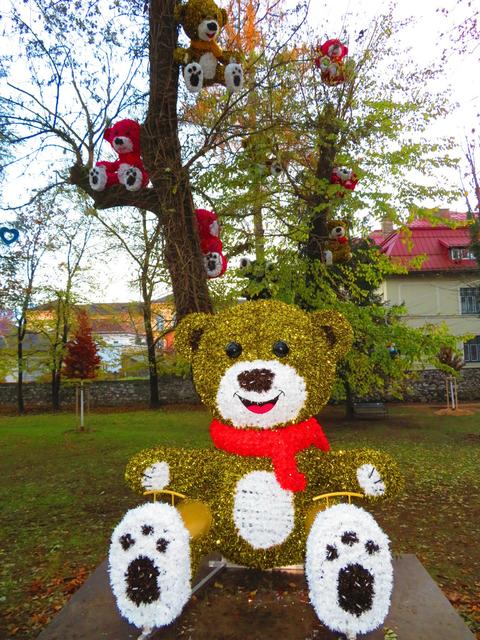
<point x="53" y="37"/>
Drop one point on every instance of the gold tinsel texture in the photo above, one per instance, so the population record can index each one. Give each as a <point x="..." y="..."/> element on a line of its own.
<point x="316" y="341"/>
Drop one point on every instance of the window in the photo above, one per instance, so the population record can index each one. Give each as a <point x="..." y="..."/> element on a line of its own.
<point x="461" y="253"/>
<point x="470" y="300"/>
<point x="160" y="321"/>
<point x="471" y="350"/>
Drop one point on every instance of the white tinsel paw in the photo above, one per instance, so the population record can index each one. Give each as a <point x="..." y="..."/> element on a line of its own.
<point x="349" y="570"/>
<point x="370" y="480"/>
<point x="97" y="177"/>
<point x="193" y="76"/>
<point x="276" y="168"/>
<point x="156" y="477"/>
<point x="149" y="565"/>
<point x="130" y="177"/>
<point x="234" y="77"/>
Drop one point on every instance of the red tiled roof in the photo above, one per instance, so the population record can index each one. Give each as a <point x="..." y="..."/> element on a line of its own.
<point x="429" y="240"/>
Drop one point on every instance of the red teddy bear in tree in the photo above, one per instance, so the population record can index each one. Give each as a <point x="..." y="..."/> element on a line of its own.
<point x="124" y="136"/>
<point x="331" y="61"/>
<point x="209" y="230"/>
<point x="345" y="177"/>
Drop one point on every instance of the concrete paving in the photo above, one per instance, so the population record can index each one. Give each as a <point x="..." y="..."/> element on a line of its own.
<point x="419" y="611"/>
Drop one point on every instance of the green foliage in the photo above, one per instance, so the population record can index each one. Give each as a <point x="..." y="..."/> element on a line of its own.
<point x="171" y="364"/>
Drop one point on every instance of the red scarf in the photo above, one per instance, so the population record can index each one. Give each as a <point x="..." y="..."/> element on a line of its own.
<point x="280" y="445"/>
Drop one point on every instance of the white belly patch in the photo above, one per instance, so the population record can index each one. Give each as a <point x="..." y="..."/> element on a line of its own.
<point x="263" y="512"/>
<point x="208" y="62"/>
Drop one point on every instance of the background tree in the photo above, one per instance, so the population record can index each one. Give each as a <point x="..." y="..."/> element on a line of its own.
<point x="141" y="241"/>
<point x="19" y="273"/>
<point x="71" y="250"/>
<point x="81" y="360"/>
<point x="57" y="69"/>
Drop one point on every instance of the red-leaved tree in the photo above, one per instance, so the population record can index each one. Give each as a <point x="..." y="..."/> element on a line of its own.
<point x="82" y="359"/>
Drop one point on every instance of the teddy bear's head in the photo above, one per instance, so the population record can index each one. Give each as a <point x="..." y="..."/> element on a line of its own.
<point x="334" y="49"/>
<point x="201" y="19"/>
<point x="264" y="363"/>
<point x="124" y="136"/>
<point x="337" y="229"/>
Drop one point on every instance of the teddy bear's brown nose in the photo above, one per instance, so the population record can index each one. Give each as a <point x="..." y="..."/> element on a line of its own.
<point x="212" y="26"/>
<point x="256" y="380"/>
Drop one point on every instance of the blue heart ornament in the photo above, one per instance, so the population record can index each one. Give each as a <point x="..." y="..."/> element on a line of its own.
<point x="9" y="236"/>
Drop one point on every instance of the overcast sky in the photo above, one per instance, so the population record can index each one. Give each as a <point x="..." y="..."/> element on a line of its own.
<point x="424" y="36"/>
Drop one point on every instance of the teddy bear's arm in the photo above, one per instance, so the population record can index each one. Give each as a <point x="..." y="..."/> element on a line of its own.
<point x="366" y="471"/>
<point x="231" y="56"/>
<point x="189" y="471"/>
<point x="182" y="56"/>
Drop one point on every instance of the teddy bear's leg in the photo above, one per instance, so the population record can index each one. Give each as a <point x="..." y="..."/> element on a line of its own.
<point x="98" y="178"/>
<point x="193" y="76"/>
<point x="131" y="177"/>
<point x="233" y="77"/>
<point x="349" y="570"/>
<point x="149" y="565"/>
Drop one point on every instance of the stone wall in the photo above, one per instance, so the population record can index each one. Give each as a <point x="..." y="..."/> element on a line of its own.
<point x="104" y="393"/>
<point x="428" y="388"/>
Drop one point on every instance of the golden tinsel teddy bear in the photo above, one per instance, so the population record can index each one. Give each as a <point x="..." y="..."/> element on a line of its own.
<point x="204" y="62"/>
<point x="337" y="243"/>
<point x="264" y="369"/>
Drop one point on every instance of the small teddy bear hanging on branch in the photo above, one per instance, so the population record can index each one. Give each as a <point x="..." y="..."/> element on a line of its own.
<point x="128" y="169"/>
<point x="337" y="247"/>
<point x="331" y="62"/>
<point x="204" y="63"/>
<point x="344" y="177"/>
<point x="212" y="247"/>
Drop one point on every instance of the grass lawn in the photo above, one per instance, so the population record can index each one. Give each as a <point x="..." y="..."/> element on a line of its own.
<point x="63" y="491"/>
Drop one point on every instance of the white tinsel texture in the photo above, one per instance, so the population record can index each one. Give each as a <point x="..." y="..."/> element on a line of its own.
<point x="370" y="480"/>
<point x="263" y="512"/>
<point x="288" y="392"/>
<point x="156" y="477"/>
<point x="149" y="565"/>
<point x="349" y="570"/>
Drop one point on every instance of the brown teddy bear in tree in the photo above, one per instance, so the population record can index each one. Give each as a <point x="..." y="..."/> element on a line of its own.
<point x="337" y="243"/>
<point x="264" y="369"/>
<point x="204" y="62"/>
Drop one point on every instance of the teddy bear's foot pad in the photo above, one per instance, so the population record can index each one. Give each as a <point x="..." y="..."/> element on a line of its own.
<point x="349" y="570"/>
<point x="193" y="76"/>
<point x="149" y="565"/>
<point x="234" y="77"/>
<point x="130" y="177"/>
<point x="97" y="178"/>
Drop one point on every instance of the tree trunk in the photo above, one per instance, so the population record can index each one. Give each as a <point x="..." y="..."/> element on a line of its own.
<point x="55" y="386"/>
<point x="327" y="134"/>
<point x="349" y="400"/>
<point x="20" y="363"/>
<point x="151" y="355"/>
<point x="162" y="157"/>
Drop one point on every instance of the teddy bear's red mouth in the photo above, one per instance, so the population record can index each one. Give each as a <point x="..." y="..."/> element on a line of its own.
<point x="259" y="407"/>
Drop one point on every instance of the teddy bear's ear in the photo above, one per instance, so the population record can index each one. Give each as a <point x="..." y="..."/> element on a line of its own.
<point x="336" y="329"/>
<point x="179" y="12"/>
<point x="107" y="135"/>
<point x="189" y="332"/>
<point x="224" y="16"/>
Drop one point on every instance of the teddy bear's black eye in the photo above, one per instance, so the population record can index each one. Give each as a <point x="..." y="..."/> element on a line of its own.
<point x="233" y="349"/>
<point x="280" y="348"/>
